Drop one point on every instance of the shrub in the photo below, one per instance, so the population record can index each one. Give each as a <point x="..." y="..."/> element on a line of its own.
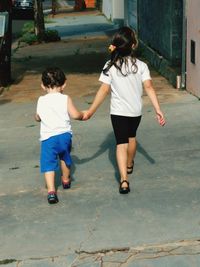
<point x="28" y="27"/>
<point x="29" y="38"/>
<point x="28" y="34"/>
<point x="51" y="36"/>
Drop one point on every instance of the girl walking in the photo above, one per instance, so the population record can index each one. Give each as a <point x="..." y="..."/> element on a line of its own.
<point x="125" y="76"/>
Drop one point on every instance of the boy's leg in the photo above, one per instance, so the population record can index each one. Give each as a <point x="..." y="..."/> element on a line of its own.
<point x="65" y="141"/>
<point x="132" y="144"/>
<point x="121" y="155"/>
<point x="65" y="172"/>
<point x="50" y="181"/>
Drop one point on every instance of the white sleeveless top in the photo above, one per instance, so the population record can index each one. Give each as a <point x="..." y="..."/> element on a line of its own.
<point x="53" y="111"/>
<point x="126" y="91"/>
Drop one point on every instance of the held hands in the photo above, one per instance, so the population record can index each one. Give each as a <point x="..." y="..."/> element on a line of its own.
<point x="86" y="115"/>
<point x="160" y="118"/>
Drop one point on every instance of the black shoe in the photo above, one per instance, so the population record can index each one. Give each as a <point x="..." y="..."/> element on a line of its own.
<point x="52" y="198"/>
<point x="124" y="190"/>
<point x="130" y="169"/>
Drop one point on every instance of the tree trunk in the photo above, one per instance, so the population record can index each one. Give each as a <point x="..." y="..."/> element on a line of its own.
<point x="39" y="20"/>
<point x="53" y="7"/>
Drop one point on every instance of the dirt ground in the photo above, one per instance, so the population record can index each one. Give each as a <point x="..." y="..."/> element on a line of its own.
<point x="82" y="61"/>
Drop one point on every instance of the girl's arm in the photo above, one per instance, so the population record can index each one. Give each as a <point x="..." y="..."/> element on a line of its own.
<point x="98" y="100"/>
<point x="148" y="86"/>
<point x="73" y="112"/>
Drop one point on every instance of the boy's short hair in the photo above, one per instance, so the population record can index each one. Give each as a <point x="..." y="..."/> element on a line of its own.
<point x="53" y="77"/>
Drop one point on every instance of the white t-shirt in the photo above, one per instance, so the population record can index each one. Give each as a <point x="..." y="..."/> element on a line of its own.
<point x="52" y="109"/>
<point x="126" y="91"/>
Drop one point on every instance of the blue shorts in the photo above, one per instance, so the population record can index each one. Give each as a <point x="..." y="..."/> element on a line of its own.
<point x="55" y="148"/>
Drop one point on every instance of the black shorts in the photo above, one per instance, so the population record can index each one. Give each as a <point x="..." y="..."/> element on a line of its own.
<point x="124" y="127"/>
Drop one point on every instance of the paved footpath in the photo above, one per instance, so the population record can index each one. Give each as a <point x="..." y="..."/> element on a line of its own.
<point x="156" y="225"/>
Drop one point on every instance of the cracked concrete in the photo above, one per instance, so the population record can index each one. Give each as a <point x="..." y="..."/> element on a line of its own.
<point x="119" y="257"/>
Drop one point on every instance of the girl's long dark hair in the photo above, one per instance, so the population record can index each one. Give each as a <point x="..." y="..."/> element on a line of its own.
<point x="124" y="42"/>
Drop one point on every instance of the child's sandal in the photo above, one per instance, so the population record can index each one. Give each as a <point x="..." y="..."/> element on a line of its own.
<point x="124" y="190"/>
<point x="66" y="185"/>
<point x="52" y="197"/>
<point x="130" y="169"/>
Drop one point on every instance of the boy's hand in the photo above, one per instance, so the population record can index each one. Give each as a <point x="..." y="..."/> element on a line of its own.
<point x="160" y="118"/>
<point x="86" y="115"/>
<point x="37" y="118"/>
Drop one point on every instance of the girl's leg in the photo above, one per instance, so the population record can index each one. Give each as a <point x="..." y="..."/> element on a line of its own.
<point x="121" y="155"/>
<point x="65" y="172"/>
<point x="50" y="181"/>
<point x="132" y="144"/>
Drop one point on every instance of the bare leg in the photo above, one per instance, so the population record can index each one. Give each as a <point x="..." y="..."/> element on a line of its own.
<point x="50" y="181"/>
<point x="65" y="172"/>
<point x="121" y="155"/>
<point x="132" y="144"/>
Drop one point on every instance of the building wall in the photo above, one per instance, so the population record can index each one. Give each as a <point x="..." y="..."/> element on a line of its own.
<point x="160" y="26"/>
<point x="114" y="10"/>
<point x="131" y="14"/>
<point x="107" y="9"/>
<point x="193" y="34"/>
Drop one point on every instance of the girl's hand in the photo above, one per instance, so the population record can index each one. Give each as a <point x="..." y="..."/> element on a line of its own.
<point x="160" y="118"/>
<point x="86" y="115"/>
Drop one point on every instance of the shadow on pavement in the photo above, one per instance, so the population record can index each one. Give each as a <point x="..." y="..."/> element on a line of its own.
<point x="109" y="145"/>
<point x="4" y="101"/>
<point x="77" y="63"/>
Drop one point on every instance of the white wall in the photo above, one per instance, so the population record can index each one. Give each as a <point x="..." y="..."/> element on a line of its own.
<point x="118" y="9"/>
<point x="113" y="9"/>
<point x="107" y="9"/>
<point x="193" y="33"/>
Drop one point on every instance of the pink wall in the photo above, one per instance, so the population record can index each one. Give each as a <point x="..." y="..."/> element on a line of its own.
<point x="193" y="33"/>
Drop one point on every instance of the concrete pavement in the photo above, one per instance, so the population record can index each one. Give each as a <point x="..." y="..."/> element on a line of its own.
<point x="81" y="24"/>
<point x="156" y="225"/>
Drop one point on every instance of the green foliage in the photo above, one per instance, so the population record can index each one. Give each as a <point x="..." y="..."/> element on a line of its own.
<point x="28" y="35"/>
<point x="29" y="38"/>
<point x="28" y="28"/>
<point x="51" y="36"/>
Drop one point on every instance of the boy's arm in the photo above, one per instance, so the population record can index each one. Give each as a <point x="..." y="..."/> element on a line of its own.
<point x="73" y="112"/>
<point x="99" y="98"/>
<point x="37" y="118"/>
<point x="148" y="86"/>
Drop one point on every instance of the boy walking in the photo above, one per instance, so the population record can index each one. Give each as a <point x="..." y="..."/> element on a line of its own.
<point x="54" y="111"/>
